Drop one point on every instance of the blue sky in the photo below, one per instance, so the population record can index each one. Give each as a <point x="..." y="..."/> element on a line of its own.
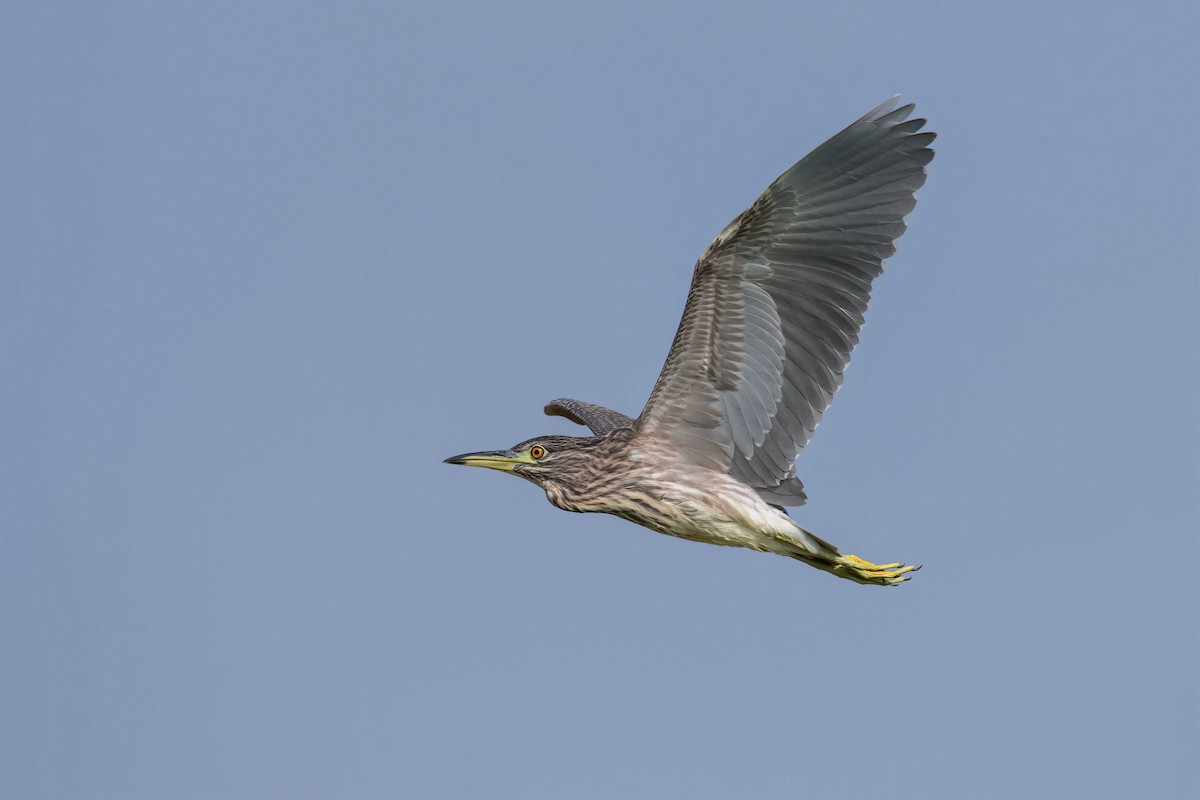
<point x="267" y="264"/>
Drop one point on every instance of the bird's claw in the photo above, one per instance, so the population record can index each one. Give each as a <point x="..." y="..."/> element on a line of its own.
<point x="866" y="572"/>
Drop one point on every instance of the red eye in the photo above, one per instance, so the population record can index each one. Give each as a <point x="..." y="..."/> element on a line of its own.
<point x="537" y="451"/>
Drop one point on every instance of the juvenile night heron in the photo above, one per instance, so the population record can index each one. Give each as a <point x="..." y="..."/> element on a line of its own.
<point x="773" y="313"/>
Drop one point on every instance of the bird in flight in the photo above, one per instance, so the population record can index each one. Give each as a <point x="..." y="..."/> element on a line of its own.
<point x="772" y="315"/>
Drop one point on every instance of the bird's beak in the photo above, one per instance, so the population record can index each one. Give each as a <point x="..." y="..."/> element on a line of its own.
<point x="503" y="460"/>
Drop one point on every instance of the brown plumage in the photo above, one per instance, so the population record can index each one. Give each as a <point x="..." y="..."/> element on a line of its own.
<point x="774" y="310"/>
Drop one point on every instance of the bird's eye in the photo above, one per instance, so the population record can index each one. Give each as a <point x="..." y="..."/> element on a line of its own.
<point x="537" y="451"/>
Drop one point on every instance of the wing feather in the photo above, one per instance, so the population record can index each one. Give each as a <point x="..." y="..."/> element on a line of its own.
<point x="777" y="302"/>
<point x="601" y="420"/>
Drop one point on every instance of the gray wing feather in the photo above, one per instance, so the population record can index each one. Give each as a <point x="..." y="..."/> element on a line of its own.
<point x="777" y="302"/>
<point x="600" y="419"/>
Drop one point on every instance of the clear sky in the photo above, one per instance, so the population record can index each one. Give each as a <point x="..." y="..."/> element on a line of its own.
<point x="265" y="265"/>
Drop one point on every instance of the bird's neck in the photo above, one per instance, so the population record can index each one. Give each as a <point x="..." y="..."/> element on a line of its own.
<point x="595" y="474"/>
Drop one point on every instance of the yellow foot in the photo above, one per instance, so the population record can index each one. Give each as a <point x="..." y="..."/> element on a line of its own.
<point x="862" y="571"/>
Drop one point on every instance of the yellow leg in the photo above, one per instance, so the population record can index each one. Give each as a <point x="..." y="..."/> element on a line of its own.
<point x="862" y="571"/>
<point x="850" y="567"/>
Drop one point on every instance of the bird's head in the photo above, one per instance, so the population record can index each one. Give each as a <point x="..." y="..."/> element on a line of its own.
<point x="542" y="460"/>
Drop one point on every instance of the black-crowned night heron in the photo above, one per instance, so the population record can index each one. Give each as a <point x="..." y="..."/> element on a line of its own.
<point x="774" y="310"/>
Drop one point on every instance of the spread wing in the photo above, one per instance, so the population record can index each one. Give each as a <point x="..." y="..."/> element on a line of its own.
<point x="600" y="419"/>
<point x="777" y="302"/>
